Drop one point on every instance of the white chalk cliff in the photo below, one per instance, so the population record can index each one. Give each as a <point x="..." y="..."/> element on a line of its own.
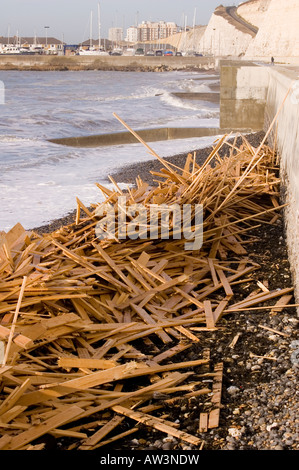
<point x="278" y="34"/>
<point x="256" y="29"/>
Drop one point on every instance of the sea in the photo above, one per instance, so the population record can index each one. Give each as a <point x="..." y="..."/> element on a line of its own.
<point x="40" y="180"/>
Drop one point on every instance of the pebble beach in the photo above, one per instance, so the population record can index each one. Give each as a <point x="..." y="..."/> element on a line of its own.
<point x="260" y="389"/>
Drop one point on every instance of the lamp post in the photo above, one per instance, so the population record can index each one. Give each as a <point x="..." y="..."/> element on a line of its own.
<point x="46" y="28"/>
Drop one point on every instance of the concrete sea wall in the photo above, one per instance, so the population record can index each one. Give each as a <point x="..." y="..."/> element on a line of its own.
<point x="120" y="63"/>
<point x="254" y="95"/>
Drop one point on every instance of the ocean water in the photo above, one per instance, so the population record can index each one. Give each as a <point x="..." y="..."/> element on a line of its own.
<point x="39" y="180"/>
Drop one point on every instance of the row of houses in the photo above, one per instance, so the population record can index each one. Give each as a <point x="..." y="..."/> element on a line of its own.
<point x="48" y="45"/>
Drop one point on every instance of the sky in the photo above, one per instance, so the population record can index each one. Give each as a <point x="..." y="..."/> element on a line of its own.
<point x="69" y="20"/>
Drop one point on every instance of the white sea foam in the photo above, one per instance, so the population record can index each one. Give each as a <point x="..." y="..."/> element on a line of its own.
<point x="39" y="181"/>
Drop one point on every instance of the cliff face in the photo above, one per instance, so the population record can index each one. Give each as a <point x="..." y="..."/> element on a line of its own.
<point x="278" y="34"/>
<point x="224" y="36"/>
<point x="186" y="41"/>
<point x="256" y="29"/>
<point x="254" y="11"/>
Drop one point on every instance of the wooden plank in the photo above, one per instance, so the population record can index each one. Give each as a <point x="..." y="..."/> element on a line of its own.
<point x="225" y="283"/>
<point x="150" y="321"/>
<point x="203" y="422"/>
<point x="74" y="362"/>
<point x="150" y="421"/>
<point x="262" y="298"/>
<point x="219" y="310"/>
<point x="5" y="441"/>
<point x="13" y="397"/>
<point x="89" y="443"/>
<point x="209" y="314"/>
<point x="171" y="352"/>
<point x="12" y="413"/>
<point x="81" y="383"/>
<point x="14" y="322"/>
<point x="281" y="303"/>
<point x="35" y="432"/>
<point x="20" y="340"/>
<point x="214" y="415"/>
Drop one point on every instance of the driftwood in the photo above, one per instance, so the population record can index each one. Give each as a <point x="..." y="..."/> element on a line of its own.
<point x="83" y="318"/>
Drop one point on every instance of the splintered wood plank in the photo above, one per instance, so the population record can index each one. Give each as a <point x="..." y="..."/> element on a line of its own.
<point x="115" y="268"/>
<point x="20" y="340"/>
<point x="149" y="320"/>
<point x="188" y="334"/>
<point x="171" y="379"/>
<point x="203" y="422"/>
<point x="260" y="298"/>
<point x="219" y="310"/>
<point x="209" y="314"/>
<point x="14" y="234"/>
<point x="214" y="415"/>
<point x="5" y="441"/>
<point x="81" y="383"/>
<point x="225" y="283"/>
<point x="171" y="352"/>
<point x="12" y="413"/>
<point x="35" y="432"/>
<point x="213" y="272"/>
<point x="158" y="424"/>
<point x="14" y="322"/>
<point x="279" y="305"/>
<point x="89" y="443"/>
<point x="117" y="437"/>
<point x="13" y="397"/>
<point x="71" y="362"/>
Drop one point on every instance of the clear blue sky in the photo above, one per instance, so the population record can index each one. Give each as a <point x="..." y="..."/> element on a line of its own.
<point x="70" y="19"/>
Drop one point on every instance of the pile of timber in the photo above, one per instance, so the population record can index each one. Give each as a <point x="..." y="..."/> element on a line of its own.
<point x="92" y="328"/>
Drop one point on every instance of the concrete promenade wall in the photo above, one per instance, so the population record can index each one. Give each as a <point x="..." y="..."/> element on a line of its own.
<point x="286" y="134"/>
<point x="50" y="62"/>
<point x="243" y="94"/>
<point x="254" y="95"/>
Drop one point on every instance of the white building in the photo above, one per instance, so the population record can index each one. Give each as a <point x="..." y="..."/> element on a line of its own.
<point x="153" y="31"/>
<point x="132" y="34"/>
<point x="115" y="34"/>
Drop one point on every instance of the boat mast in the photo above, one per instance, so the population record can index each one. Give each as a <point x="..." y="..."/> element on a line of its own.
<point x="99" y="24"/>
<point x="90" y="41"/>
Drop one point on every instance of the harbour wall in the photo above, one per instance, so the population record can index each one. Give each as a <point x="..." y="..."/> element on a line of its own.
<point x="118" y="63"/>
<point x="268" y="98"/>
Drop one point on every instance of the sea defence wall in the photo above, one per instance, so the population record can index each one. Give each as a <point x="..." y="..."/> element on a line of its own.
<point x="268" y="98"/>
<point x="119" y="63"/>
<point x="148" y="135"/>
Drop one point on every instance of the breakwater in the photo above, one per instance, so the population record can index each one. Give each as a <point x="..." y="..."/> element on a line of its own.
<point x="118" y="63"/>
